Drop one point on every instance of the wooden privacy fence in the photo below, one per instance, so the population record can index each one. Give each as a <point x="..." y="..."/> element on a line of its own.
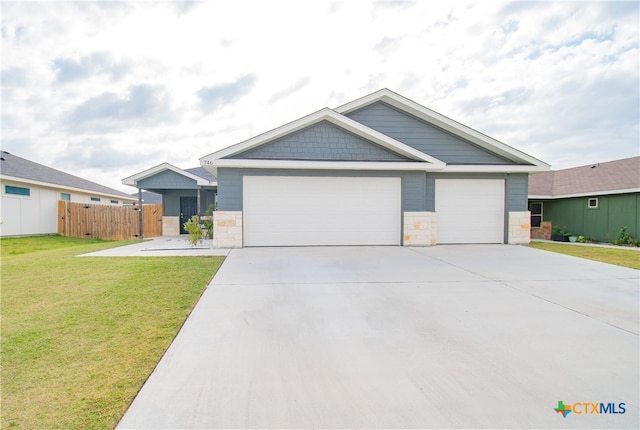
<point x="108" y="222"/>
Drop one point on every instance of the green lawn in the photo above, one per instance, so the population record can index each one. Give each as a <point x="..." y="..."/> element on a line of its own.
<point x="81" y="335"/>
<point x="620" y="257"/>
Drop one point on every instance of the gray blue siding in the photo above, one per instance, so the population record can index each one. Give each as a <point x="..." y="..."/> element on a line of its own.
<point x="171" y="200"/>
<point x="418" y="188"/>
<point x="230" y="184"/>
<point x="422" y="136"/>
<point x="167" y="180"/>
<point x="322" y="141"/>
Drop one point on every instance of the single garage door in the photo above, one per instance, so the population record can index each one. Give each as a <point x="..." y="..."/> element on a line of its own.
<point x="470" y="210"/>
<point x="300" y="210"/>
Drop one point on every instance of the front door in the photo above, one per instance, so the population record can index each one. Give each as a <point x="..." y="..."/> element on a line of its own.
<point x="188" y="208"/>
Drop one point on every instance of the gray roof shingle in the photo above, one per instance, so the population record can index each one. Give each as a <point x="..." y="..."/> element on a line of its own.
<point x="600" y="178"/>
<point x="18" y="167"/>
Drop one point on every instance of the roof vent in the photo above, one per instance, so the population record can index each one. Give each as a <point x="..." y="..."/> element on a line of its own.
<point x="593" y="166"/>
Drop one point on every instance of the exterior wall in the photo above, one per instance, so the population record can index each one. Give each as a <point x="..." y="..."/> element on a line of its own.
<point x="227" y="229"/>
<point x="322" y="141"/>
<point x="171" y="200"/>
<point x="419" y="229"/>
<point x="168" y="180"/>
<point x="542" y="232"/>
<point x="602" y="223"/>
<point x="37" y="213"/>
<point x="230" y="184"/>
<point x="519" y="228"/>
<point x="170" y="225"/>
<point x="422" y="136"/>
<point x="418" y="188"/>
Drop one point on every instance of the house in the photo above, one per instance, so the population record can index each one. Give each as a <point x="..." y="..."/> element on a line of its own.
<point x="185" y="193"/>
<point x="149" y="198"/>
<point x="380" y="170"/>
<point x="30" y="194"/>
<point x="594" y="201"/>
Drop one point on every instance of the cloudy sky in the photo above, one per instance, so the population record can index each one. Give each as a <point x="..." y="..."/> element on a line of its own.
<point x="104" y="90"/>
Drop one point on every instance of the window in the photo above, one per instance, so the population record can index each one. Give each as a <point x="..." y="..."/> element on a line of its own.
<point x="65" y="197"/>
<point x="115" y="202"/>
<point x="536" y="214"/>
<point x="17" y="191"/>
<point x="95" y="199"/>
<point x="593" y="203"/>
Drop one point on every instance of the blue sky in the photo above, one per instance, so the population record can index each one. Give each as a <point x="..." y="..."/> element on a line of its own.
<point x="105" y="89"/>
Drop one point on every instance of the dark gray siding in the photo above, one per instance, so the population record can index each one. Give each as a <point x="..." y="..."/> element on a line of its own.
<point x="167" y="179"/>
<point x="422" y="136"/>
<point x="322" y="141"/>
<point x="230" y="184"/>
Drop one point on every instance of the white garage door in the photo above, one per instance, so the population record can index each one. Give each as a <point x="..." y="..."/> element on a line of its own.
<point x="295" y="210"/>
<point x="470" y="210"/>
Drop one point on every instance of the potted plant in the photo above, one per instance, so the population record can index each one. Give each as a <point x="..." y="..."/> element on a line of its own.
<point x="559" y="234"/>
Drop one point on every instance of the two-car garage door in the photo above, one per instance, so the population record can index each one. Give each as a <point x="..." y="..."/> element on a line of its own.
<point x="301" y="210"/>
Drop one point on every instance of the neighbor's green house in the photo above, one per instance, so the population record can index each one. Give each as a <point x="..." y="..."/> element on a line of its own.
<point x="594" y="201"/>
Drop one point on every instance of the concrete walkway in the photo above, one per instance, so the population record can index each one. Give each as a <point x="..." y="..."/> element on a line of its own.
<point x="388" y="337"/>
<point x="161" y="246"/>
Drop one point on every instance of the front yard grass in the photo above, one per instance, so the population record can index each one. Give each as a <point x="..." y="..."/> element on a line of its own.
<point x="619" y="257"/>
<point x="80" y="335"/>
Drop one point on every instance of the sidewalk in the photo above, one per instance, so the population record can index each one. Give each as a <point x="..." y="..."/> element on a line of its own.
<point x="162" y="246"/>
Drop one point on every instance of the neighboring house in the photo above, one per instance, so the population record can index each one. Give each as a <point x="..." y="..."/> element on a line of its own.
<point x="185" y="192"/>
<point x="149" y="198"/>
<point x="381" y="170"/>
<point x="594" y="201"/>
<point x="30" y="194"/>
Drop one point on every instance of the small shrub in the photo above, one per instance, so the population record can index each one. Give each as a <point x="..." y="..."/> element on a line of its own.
<point x="195" y="232"/>
<point x="625" y="238"/>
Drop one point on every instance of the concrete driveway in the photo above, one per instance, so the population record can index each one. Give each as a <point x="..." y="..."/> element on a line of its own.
<point x="387" y="337"/>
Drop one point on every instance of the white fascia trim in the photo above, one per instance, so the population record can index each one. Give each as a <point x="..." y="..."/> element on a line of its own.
<point x="66" y="188"/>
<point x="340" y="121"/>
<point x="318" y="165"/>
<point x="591" y="194"/>
<point x="492" y="168"/>
<point x="444" y="123"/>
<point x="133" y="180"/>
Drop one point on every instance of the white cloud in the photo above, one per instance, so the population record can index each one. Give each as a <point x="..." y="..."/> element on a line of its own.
<point x="170" y="81"/>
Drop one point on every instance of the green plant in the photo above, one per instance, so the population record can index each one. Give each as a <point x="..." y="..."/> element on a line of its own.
<point x="192" y="226"/>
<point x="625" y="238"/>
<point x="560" y="231"/>
<point x="208" y="221"/>
<point x="581" y="239"/>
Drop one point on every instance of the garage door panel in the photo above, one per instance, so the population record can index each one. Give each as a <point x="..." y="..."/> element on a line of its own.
<point x="470" y="210"/>
<point x="289" y="211"/>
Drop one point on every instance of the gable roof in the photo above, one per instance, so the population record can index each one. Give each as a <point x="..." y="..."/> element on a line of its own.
<point x="444" y="123"/>
<point x="418" y="159"/>
<point x="200" y="175"/>
<point x="221" y="158"/>
<point x="612" y="177"/>
<point x="23" y="170"/>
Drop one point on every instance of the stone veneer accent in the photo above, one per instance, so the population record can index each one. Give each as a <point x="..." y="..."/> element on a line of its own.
<point x="227" y="229"/>
<point x="519" y="228"/>
<point x="419" y="229"/>
<point x="170" y="226"/>
<point x="542" y="232"/>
